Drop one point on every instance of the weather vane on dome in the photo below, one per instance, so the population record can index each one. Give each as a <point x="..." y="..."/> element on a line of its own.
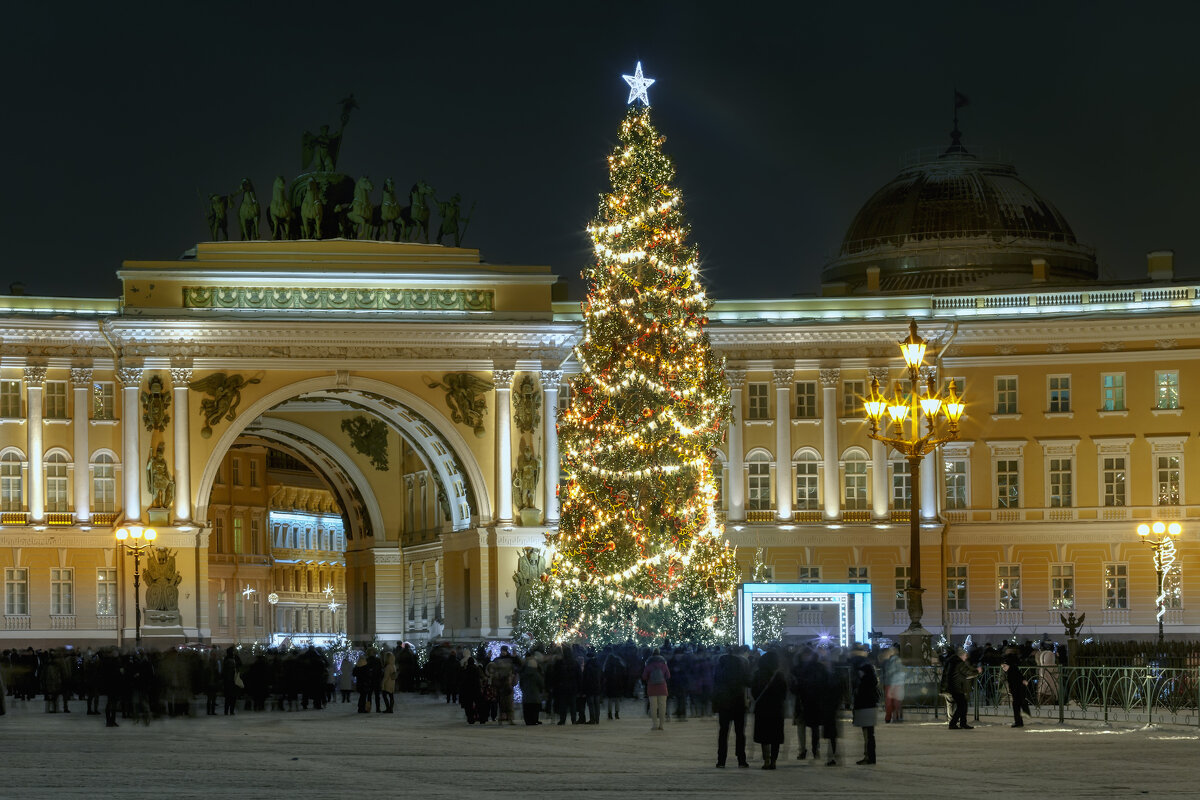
<point x="638" y="84"/>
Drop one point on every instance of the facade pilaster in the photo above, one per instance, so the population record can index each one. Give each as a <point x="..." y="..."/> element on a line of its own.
<point x="783" y="444"/>
<point x="131" y="459"/>
<point x="181" y="376"/>
<point x="551" y="378"/>
<point x="735" y="483"/>
<point x="879" y="471"/>
<point x="928" y="488"/>
<point x="81" y="389"/>
<point x="829" y="425"/>
<point x="503" y="379"/>
<point x="35" y="378"/>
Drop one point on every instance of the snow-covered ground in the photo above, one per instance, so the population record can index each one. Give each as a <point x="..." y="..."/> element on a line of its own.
<point x="427" y="750"/>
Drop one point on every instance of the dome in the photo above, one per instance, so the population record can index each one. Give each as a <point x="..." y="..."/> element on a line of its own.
<point x="954" y="221"/>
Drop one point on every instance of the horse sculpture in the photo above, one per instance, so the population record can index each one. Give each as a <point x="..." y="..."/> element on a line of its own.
<point x="281" y="210"/>
<point x="416" y="215"/>
<point x="249" y="211"/>
<point x="362" y="212"/>
<point x="312" y="211"/>
<point x="389" y="213"/>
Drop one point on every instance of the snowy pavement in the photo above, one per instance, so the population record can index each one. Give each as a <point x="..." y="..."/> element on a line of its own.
<point x="427" y="750"/>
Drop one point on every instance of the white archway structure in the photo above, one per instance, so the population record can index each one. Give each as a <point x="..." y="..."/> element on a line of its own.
<point x="418" y="420"/>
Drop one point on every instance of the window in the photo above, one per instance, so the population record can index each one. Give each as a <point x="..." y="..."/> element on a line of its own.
<point x="564" y="397"/>
<point x="1112" y="391"/>
<point x="856" y="482"/>
<point x="104" y="484"/>
<point x="1113" y="470"/>
<point x="56" y="482"/>
<point x="1008" y="581"/>
<point x="902" y="584"/>
<point x="759" y="476"/>
<point x="253" y="472"/>
<point x="1060" y="483"/>
<point x="956" y="588"/>
<point x="1008" y="491"/>
<point x="1166" y="476"/>
<point x="1006" y="395"/>
<point x="106" y="592"/>
<point x="237" y="535"/>
<point x="222" y="608"/>
<point x="806" y="482"/>
<point x="1116" y="586"/>
<point x="62" y="592"/>
<point x="852" y="398"/>
<point x="240" y="604"/>
<point x="901" y="484"/>
<point x="857" y="575"/>
<point x="718" y="475"/>
<point x="956" y="483"/>
<point x="55" y="400"/>
<point x="16" y="591"/>
<point x="104" y="400"/>
<point x="11" y="495"/>
<point x="806" y="400"/>
<point x="1060" y="394"/>
<point x="255" y="545"/>
<point x="759" y="401"/>
<point x="1062" y="586"/>
<point x="1166" y="389"/>
<point x="218" y="535"/>
<point x="235" y="471"/>
<point x="10" y="399"/>
<point x="809" y="574"/>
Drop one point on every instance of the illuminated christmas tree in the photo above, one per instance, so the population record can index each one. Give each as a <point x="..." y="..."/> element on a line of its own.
<point x="639" y="552"/>
<point x="768" y="619"/>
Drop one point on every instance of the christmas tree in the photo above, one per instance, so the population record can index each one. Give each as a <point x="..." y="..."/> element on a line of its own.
<point x="768" y="619"/>
<point x="639" y="552"/>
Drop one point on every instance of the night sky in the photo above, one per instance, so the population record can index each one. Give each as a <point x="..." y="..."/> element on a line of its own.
<point x="781" y="122"/>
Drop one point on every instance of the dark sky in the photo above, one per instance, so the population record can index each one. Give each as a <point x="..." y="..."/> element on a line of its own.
<point x="781" y="122"/>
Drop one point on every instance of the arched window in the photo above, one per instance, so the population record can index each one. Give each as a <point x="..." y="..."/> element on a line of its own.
<point x="758" y="472"/>
<point x="104" y="483"/>
<point x="856" y="480"/>
<point x="11" y="494"/>
<point x="806" y="481"/>
<point x="56" y="482"/>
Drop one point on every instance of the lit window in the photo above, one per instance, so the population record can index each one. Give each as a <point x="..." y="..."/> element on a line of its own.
<point x="253" y="472"/>
<point x="56" y="482"/>
<point x="236" y="471"/>
<point x="104" y="484"/>
<point x="901" y="484"/>
<point x="856" y="483"/>
<point x="238" y="544"/>
<point x="902" y="584"/>
<point x="1008" y="490"/>
<point x="759" y="401"/>
<point x="104" y="400"/>
<point x="1113" y="469"/>
<point x="759" y="479"/>
<point x="11" y="494"/>
<point x="106" y="592"/>
<point x="1060" y="483"/>
<point x="806" y="400"/>
<point x="852" y="398"/>
<point x="806" y="482"/>
<point x="956" y="588"/>
<point x="956" y="483"/>
<point x="16" y="591"/>
<point x="1166" y="392"/>
<point x="10" y="399"/>
<point x="1116" y="586"/>
<point x="62" y="592"/>
<point x="857" y="575"/>
<point x="1167" y="472"/>
<point x="1112" y="392"/>
<point x="1008" y="580"/>
<point x="1062" y="586"/>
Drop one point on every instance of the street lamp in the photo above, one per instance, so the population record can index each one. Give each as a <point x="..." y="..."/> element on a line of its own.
<point x="135" y="540"/>
<point x="1164" y="559"/>
<point x="908" y="416"/>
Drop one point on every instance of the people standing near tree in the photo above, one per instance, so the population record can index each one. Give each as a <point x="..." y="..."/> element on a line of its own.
<point x="615" y="676"/>
<point x="770" y="691"/>
<point x="960" y="678"/>
<point x="892" y="677"/>
<point x="231" y="668"/>
<point x="655" y="675"/>
<point x="866" y="698"/>
<point x="362" y="682"/>
<point x="1011" y="665"/>
<point x="591" y="686"/>
<point x="471" y="694"/>
<point x="533" y="685"/>
<point x="502" y="675"/>
<point x="731" y="679"/>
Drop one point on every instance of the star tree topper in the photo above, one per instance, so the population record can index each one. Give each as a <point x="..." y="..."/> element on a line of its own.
<point x="638" y="84"/>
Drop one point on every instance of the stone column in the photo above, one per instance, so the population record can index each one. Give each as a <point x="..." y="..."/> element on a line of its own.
<point x="181" y="376"/>
<point x="81" y="388"/>
<point x="503" y="379"/>
<point x="735" y="483"/>
<point x="784" y="491"/>
<point x="879" y="464"/>
<point x="131" y="459"/>
<point x="928" y="488"/>
<point x="551" y="378"/>
<point x="829" y="425"/>
<point x="35" y="377"/>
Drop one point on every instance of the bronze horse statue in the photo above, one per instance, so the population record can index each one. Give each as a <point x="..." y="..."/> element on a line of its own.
<point x="312" y="211"/>
<point x="362" y="212"/>
<point x="282" y="212"/>
<point x="415" y="215"/>
<point x="249" y="211"/>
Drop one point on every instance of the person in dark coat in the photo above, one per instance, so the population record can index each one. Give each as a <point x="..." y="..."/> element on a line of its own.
<point x="533" y="686"/>
<point x="565" y="683"/>
<point x="731" y="679"/>
<point x="230" y="668"/>
<point x="591" y="686"/>
<point x="1011" y="665"/>
<point x="960" y="676"/>
<point x="866" y="697"/>
<point x="471" y="694"/>
<point x="111" y="677"/>
<point x="615" y="672"/>
<point x="770" y="692"/>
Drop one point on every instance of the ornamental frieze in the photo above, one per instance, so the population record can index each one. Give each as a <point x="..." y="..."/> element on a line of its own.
<point x="334" y="299"/>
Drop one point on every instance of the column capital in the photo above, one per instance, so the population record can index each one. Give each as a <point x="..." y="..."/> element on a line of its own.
<point x="783" y="378"/>
<point x="736" y="378"/>
<point x="830" y="376"/>
<point x="35" y="375"/>
<point x="181" y="376"/>
<point x="503" y="378"/>
<point x="81" y="377"/>
<point x="878" y="373"/>
<point x="551" y="378"/>
<point x="130" y="377"/>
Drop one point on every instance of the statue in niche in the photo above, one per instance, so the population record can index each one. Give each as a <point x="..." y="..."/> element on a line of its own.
<point x="162" y="587"/>
<point x="369" y="438"/>
<point x="224" y="396"/>
<point x="527" y="403"/>
<point x="530" y="566"/>
<point x="155" y="402"/>
<point x="158" y="479"/>
<point x="525" y="478"/>
<point x="464" y="397"/>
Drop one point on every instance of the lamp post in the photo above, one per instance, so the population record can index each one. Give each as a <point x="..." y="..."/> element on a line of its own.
<point x="135" y="540"/>
<point x="906" y="415"/>
<point x="1164" y="559"/>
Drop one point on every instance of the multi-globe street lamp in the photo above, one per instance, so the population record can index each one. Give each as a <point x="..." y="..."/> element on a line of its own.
<point x="1164" y="560"/>
<point x="135" y="540"/>
<point x="914" y="423"/>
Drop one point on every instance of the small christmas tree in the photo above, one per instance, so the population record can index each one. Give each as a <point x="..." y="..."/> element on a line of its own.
<point x="639" y="552"/>
<point x="768" y="620"/>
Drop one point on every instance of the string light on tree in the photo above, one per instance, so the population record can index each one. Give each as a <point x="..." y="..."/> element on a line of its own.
<point x="639" y="553"/>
